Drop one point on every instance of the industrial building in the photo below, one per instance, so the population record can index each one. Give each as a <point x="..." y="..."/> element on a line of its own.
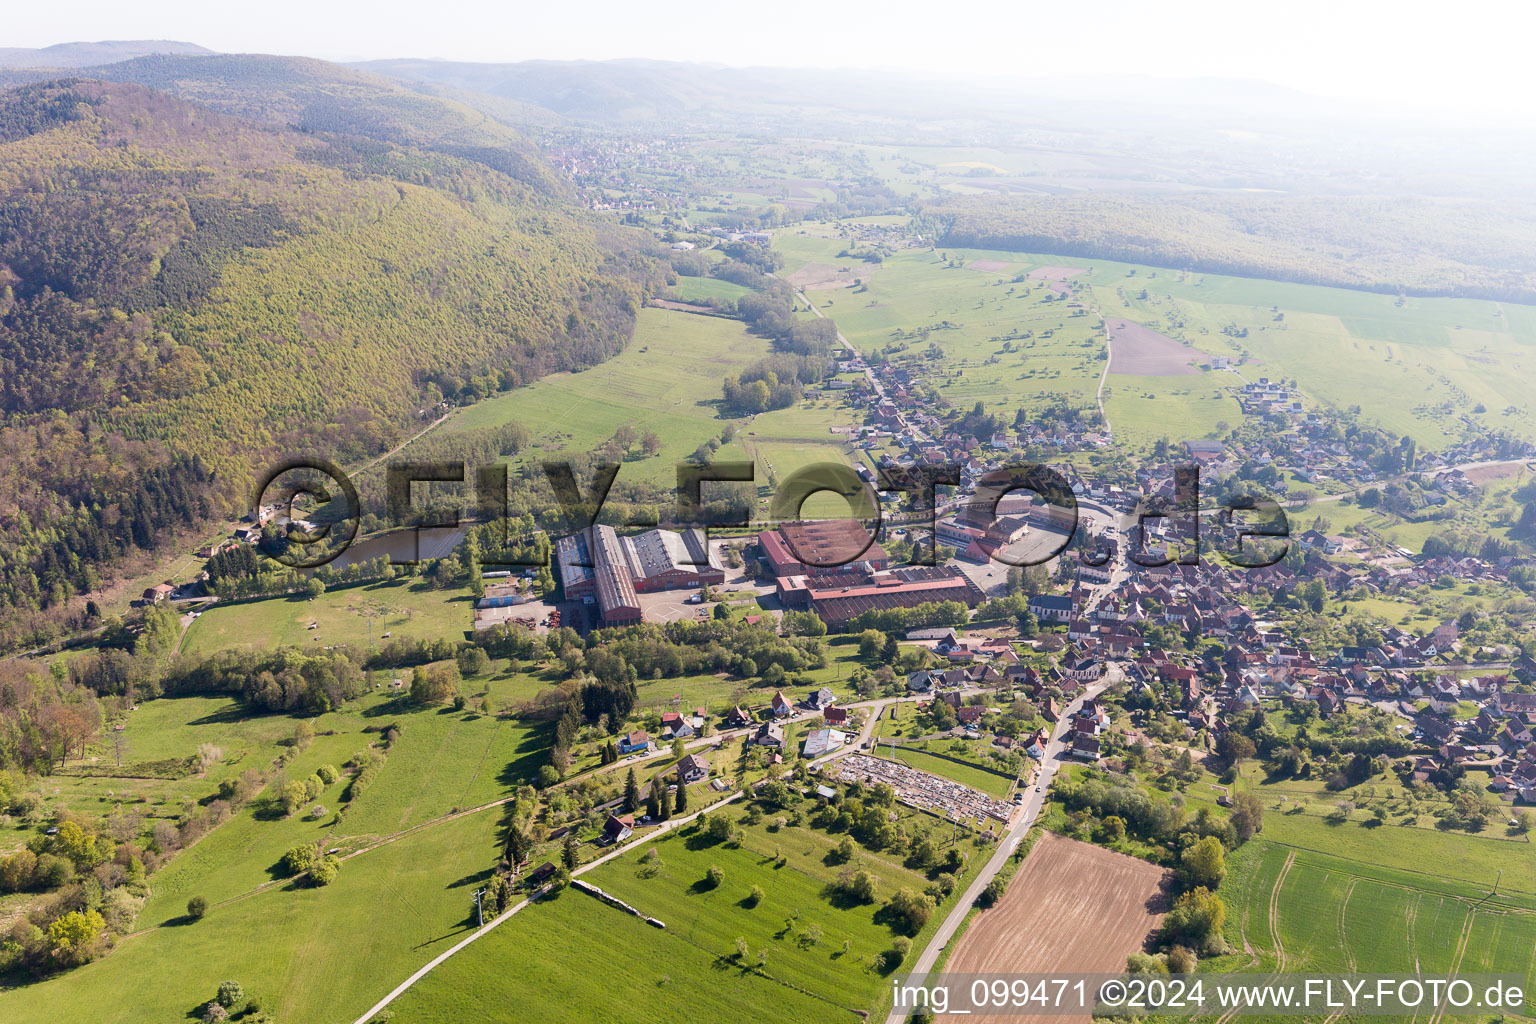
<point x="820" y="548"/>
<point x="839" y="599"/>
<point x="611" y="570"/>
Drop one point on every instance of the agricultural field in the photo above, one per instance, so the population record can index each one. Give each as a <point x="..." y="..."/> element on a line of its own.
<point x="1405" y="362"/>
<point x="1100" y="907"/>
<point x="1302" y="910"/>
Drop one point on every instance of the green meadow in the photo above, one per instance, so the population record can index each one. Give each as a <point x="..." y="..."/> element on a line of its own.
<point x="322" y="956"/>
<point x="1302" y="910"/>
<point x="668" y="380"/>
<point x="1405" y="362"/>
<point x="406" y="608"/>
<point x="696" y="289"/>
<point x="313" y="955"/>
<point x="974" y="776"/>
<point x="572" y="960"/>
<point x="818" y="951"/>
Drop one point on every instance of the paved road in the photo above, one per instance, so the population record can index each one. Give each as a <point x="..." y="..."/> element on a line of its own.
<point x="1010" y="840"/>
<point x="869" y="371"/>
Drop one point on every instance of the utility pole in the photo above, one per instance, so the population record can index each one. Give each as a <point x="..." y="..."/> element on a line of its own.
<point x="479" y="913"/>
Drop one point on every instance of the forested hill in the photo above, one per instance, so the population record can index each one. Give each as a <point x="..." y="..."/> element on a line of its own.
<point x="316" y="96"/>
<point x="186" y="292"/>
<point x="80" y="55"/>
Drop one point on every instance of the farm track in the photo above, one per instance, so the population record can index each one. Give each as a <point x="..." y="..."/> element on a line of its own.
<point x="1349" y="955"/>
<point x="1461" y="951"/>
<point x="1274" y="927"/>
<point x="1274" y="911"/>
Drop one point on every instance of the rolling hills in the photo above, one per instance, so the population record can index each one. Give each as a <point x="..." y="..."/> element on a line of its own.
<point x="188" y="290"/>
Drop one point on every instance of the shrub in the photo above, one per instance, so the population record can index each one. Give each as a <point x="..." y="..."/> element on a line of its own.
<point x="1204" y="863"/>
<point x="230" y="995"/>
<point x="324" y="872"/>
<point x="859" y="885"/>
<point x="714" y="876"/>
<point x="300" y="858"/>
<point x="197" y="907"/>
<point x="327" y="774"/>
<point x="755" y="896"/>
<point x="912" y="908"/>
<point x="717" y="827"/>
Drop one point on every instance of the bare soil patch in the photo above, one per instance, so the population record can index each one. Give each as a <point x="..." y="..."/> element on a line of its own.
<point x="822" y="276"/>
<point x="1483" y="474"/>
<point x="1057" y="276"/>
<point x="1072" y="907"/>
<point x="685" y="307"/>
<point x="1142" y="352"/>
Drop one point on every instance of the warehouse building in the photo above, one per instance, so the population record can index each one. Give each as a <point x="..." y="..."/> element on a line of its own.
<point x="820" y="548"/>
<point x="837" y="600"/>
<point x="611" y="570"/>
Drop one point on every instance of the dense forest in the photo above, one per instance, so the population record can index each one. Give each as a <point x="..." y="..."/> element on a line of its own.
<point x="185" y="295"/>
<point x="1414" y="246"/>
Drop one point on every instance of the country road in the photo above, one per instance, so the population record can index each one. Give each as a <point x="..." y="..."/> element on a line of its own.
<point x="719" y="740"/>
<point x="1009" y="842"/>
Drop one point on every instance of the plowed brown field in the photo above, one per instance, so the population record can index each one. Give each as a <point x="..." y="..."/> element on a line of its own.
<point x="1072" y="907"/>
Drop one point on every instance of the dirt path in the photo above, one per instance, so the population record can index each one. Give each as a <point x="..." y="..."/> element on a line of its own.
<point x="1109" y="357"/>
<point x="1274" y="929"/>
<point x="1461" y="951"/>
<point x="424" y="430"/>
<point x="1274" y="911"/>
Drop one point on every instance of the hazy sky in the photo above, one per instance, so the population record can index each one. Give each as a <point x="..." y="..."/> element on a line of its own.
<point x="1472" y="54"/>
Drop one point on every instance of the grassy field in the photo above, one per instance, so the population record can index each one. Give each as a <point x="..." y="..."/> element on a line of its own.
<point x="165" y="730"/>
<point x="594" y="964"/>
<point x="967" y="775"/>
<point x="316" y="955"/>
<point x="1301" y="910"/>
<point x="405" y="608"/>
<point x="667" y="379"/>
<point x="806" y="971"/>
<point x="1404" y="362"/>
<point x="1143" y="409"/>
<point x="1493" y="511"/>
<point x="693" y="289"/>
